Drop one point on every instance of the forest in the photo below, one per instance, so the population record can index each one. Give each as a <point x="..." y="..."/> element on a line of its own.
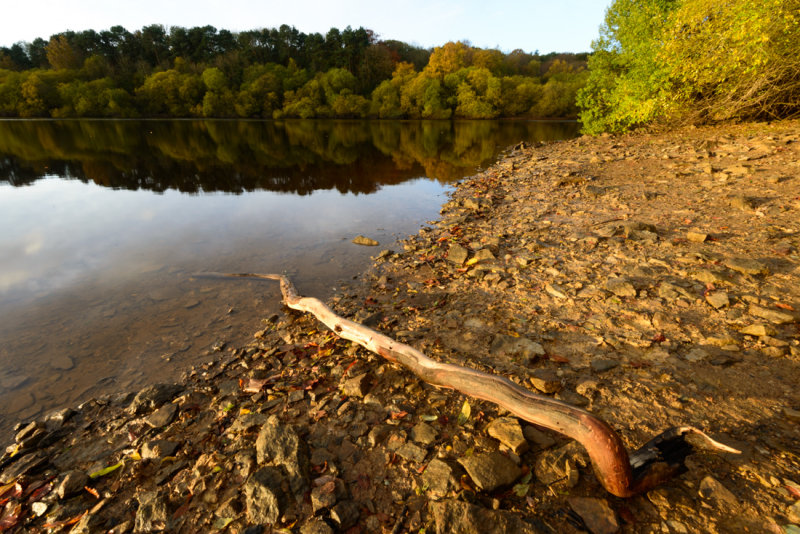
<point x="279" y="73"/>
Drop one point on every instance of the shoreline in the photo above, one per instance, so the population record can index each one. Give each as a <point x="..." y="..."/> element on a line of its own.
<point x="576" y="268"/>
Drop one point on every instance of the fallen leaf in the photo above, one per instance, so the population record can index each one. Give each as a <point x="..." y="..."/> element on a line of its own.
<point x="784" y="306"/>
<point x="92" y="491"/>
<point x="66" y="522"/>
<point x="398" y="415"/>
<point x="106" y="470"/>
<point x="11" y="517"/>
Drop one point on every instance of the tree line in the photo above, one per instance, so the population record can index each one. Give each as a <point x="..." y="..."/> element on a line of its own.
<point x="278" y="73"/>
<point x="679" y="61"/>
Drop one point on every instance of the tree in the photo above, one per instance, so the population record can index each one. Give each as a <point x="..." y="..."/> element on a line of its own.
<point x="61" y="54"/>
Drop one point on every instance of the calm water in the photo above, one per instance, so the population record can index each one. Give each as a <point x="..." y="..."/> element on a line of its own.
<point x="105" y="222"/>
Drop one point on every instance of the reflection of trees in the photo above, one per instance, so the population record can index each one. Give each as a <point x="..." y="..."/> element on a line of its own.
<point x="235" y="156"/>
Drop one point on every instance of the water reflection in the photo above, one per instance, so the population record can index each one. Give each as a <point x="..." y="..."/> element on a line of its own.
<point x="101" y="238"/>
<point x="236" y="156"/>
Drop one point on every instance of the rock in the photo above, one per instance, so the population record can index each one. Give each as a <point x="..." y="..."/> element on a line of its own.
<point x="718" y="299"/>
<point x="327" y="494"/>
<point x="560" y="465"/>
<point x="457" y="254"/>
<point x="159" y="448"/>
<point x="423" y="433"/>
<point x="791" y="415"/>
<point x="25" y="465"/>
<point x="713" y="491"/>
<point x="508" y="431"/>
<point x="279" y="444"/>
<point x="505" y="345"/>
<point x="742" y="203"/>
<point x="27" y="431"/>
<point x="152" y="513"/>
<point x="72" y="483"/>
<point x="773" y="316"/>
<point x="556" y="291"/>
<point x="696" y="237"/>
<point x="345" y="514"/>
<point x="621" y="287"/>
<point x="490" y="470"/>
<point x="696" y="355"/>
<point x="587" y="385"/>
<point x="62" y="362"/>
<point x="317" y="526"/>
<point x="358" y="386"/>
<point x="759" y="330"/>
<point x="793" y="512"/>
<point x="596" y="514"/>
<point x="438" y="477"/>
<point x="412" y="452"/>
<point x="38" y="508"/>
<point x="247" y="421"/>
<point x="55" y="420"/>
<point x="484" y="255"/>
<point x="163" y="416"/>
<point x="378" y="434"/>
<point x="746" y="266"/>
<point x="153" y="396"/>
<point x="265" y="498"/>
<point x="367" y="242"/>
<point x="545" y="380"/>
<point x="457" y="517"/>
<point x="534" y="435"/>
<point x="601" y="365"/>
<point x="639" y="230"/>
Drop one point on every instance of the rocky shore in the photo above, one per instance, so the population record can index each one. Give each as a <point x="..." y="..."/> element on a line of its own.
<point x="653" y="279"/>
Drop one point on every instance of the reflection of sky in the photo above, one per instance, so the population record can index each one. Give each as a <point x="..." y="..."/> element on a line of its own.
<point x="63" y="232"/>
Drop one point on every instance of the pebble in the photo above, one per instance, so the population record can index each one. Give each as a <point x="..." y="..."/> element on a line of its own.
<point x="457" y="254"/>
<point x="423" y="433"/>
<point x="72" y="483"/>
<point x="758" y="330"/>
<point x="714" y="492"/>
<point x="601" y="365"/>
<point x="490" y="471"/>
<point x="264" y="497"/>
<point x="596" y="514"/>
<point x="620" y="287"/>
<point x="438" y="477"/>
<point x="718" y="299"/>
<point x="163" y="416"/>
<point x="508" y="431"/>
<point x="773" y="316"/>
<point x="365" y="241"/>
<point x="746" y="266"/>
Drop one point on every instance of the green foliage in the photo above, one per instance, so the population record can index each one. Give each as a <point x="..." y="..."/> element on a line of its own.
<point x="698" y="60"/>
<point x="275" y="73"/>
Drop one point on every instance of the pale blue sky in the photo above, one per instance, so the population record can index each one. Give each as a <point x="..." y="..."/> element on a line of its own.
<point x="544" y="25"/>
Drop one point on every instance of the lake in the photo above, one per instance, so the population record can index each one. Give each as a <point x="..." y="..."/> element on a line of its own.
<point x="107" y="221"/>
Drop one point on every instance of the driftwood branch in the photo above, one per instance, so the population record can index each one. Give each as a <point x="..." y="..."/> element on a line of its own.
<point x="621" y="474"/>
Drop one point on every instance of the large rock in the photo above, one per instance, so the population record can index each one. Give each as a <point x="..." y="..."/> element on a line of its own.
<point x="773" y="316"/>
<point x="279" y="444"/>
<point x="152" y="513"/>
<point x="490" y="470"/>
<point x="456" y="517"/>
<point x="264" y="496"/>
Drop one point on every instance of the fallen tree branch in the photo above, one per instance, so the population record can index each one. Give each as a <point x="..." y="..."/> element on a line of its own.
<point x="621" y="474"/>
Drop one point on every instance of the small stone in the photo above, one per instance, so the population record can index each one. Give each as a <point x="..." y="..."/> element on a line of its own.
<point x="742" y="203"/>
<point x="412" y="452"/>
<point x="457" y="254"/>
<point x="326" y="495"/>
<point x="556" y="291"/>
<point x="696" y="237"/>
<point x="793" y="512"/>
<point x="791" y="415"/>
<point x="365" y="241"/>
<point x="508" y="431"/>
<point x="505" y="345"/>
<point x="265" y="498"/>
<point x="484" y="255"/>
<point x="152" y="513"/>
<point x="596" y="514"/>
<point x="27" y="431"/>
<point x="759" y="330"/>
<point x="153" y="396"/>
<point x="423" y="433"/>
<point x="712" y="490"/>
<point x="55" y="420"/>
<point x="696" y="355"/>
<point x="378" y="434"/>
<point x="345" y="514"/>
<point x="545" y="380"/>
<point x="159" y="448"/>
<point x="601" y="365"/>
<point x="718" y="299"/>
<point x="746" y="266"/>
<point x="536" y="436"/>
<point x="357" y="386"/>
<point x="560" y="465"/>
<point x="620" y="287"/>
<point x="317" y="526"/>
<point x="72" y="483"/>
<point x="490" y="470"/>
<point x="773" y="316"/>
<point x="38" y="508"/>
<point x="163" y="416"/>
<point x="438" y="477"/>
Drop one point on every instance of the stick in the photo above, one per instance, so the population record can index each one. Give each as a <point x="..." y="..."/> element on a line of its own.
<point x="621" y="474"/>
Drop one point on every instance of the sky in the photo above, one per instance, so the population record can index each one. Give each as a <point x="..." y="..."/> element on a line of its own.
<point x="531" y="25"/>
